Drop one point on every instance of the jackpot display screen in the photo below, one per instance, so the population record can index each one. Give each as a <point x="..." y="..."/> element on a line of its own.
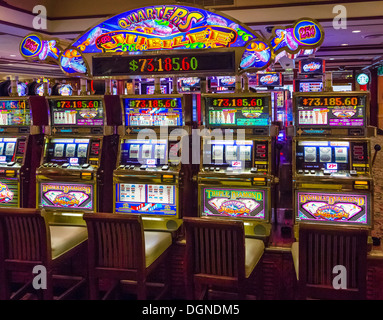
<point x="143" y="112"/>
<point x="145" y="152"/>
<point x="174" y="63"/>
<point x="68" y="196"/>
<point x="71" y="151"/>
<point x="237" y="112"/>
<point x="15" y="113"/>
<point x="234" y="203"/>
<point x="233" y="153"/>
<point x="146" y="199"/>
<point x="77" y="112"/>
<point x="330" y="111"/>
<point x="334" y="208"/>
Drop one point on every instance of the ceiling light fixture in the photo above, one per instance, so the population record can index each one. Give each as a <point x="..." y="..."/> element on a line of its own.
<point x="344" y="44"/>
<point x="356" y="31"/>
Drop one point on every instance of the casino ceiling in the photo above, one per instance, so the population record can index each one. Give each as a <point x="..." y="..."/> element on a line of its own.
<point x="359" y="45"/>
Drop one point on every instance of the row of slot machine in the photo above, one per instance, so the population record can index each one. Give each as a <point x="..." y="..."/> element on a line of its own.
<point x="143" y="154"/>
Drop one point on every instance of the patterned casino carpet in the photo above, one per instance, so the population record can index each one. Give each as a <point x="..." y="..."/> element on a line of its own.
<point x="378" y="182"/>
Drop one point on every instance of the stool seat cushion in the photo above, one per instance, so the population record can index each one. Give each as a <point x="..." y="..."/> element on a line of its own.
<point x="64" y="238"/>
<point x="156" y="243"/>
<point x="295" y="254"/>
<point x="254" y="249"/>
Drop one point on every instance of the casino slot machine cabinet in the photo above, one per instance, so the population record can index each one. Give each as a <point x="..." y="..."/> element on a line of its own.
<point x="75" y="175"/>
<point x="151" y="177"/>
<point x="236" y="168"/>
<point x="332" y="169"/>
<point x="21" y="146"/>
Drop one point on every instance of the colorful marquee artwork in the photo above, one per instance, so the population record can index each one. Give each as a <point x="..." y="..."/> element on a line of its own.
<point x="238" y="203"/>
<point x="333" y="207"/>
<point x="67" y="196"/>
<point x="179" y="27"/>
<point x="37" y="47"/>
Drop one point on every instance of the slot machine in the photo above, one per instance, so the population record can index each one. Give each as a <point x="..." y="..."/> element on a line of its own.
<point x="75" y="175"/>
<point x="332" y="174"/>
<point x="21" y="146"/>
<point x="235" y="178"/>
<point x="150" y="178"/>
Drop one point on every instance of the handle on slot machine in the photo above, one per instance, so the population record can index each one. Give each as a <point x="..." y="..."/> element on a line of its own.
<point x="377" y="148"/>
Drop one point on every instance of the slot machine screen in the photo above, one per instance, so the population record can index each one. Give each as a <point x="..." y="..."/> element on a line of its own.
<point x="333" y="208"/>
<point x="323" y="155"/>
<point x="8" y="149"/>
<point x="234" y="203"/>
<point x="331" y="111"/>
<point x="146" y="199"/>
<point x="237" y="112"/>
<point x="63" y="150"/>
<point x="9" y="193"/>
<point x="144" y="152"/>
<point x="143" y="112"/>
<point x="15" y="113"/>
<point x="311" y="86"/>
<point x="72" y="197"/>
<point x="234" y="153"/>
<point x="77" y="112"/>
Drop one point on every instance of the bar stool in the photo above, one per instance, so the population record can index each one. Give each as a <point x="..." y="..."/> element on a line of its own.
<point x="319" y="250"/>
<point x="27" y="241"/>
<point x="218" y="254"/>
<point x="119" y="249"/>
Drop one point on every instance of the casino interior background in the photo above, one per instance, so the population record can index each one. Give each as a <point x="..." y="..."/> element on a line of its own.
<point x="347" y="52"/>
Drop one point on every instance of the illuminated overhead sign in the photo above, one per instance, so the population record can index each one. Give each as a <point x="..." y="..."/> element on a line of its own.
<point x="177" y="27"/>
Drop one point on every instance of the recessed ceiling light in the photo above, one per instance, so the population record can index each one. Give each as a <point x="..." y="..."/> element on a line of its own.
<point x="356" y="31"/>
<point x="344" y="44"/>
<point x="332" y="58"/>
<point x="12" y="55"/>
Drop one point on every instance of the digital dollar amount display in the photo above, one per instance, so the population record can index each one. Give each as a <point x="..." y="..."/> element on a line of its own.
<point x="237" y="111"/>
<point x="164" y="64"/>
<point x="153" y="112"/>
<point x="78" y="104"/>
<point x="15" y="113"/>
<point x="77" y="112"/>
<point x="331" y="111"/>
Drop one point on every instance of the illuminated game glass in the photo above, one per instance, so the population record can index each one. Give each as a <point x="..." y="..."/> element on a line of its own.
<point x="73" y="161"/>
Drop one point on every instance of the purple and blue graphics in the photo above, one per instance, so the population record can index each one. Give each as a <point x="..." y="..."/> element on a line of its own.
<point x="234" y="203"/>
<point x="72" y="196"/>
<point x="163" y="27"/>
<point x="335" y="208"/>
<point x="72" y="62"/>
<point x="146" y="199"/>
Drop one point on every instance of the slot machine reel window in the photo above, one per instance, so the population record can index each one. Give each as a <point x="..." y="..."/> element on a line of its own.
<point x="8" y="149"/>
<point x="144" y="152"/>
<point x="73" y="152"/>
<point x="77" y="112"/>
<point x="331" y="111"/>
<point x="237" y="112"/>
<point x="144" y="112"/>
<point x="146" y="199"/>
<point x="328" y="156"/>
<point x="235" y="153"/>
<point x="15" y="113"/>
